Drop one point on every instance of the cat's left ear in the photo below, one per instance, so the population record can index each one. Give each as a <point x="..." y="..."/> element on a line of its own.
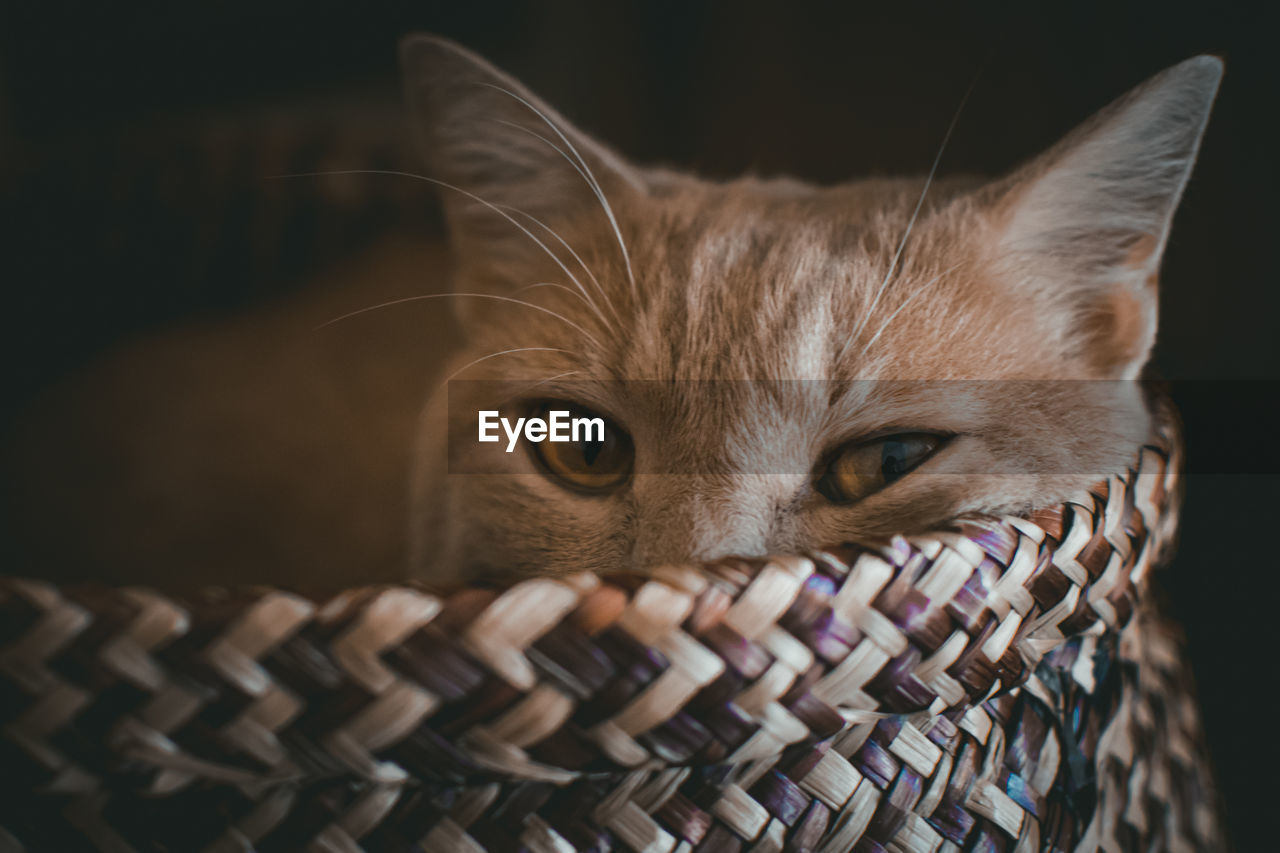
<point x="1082" y="228"/>
<point x="502" y="152"/>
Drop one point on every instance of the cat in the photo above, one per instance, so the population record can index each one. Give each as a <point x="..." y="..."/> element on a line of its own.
<point x="776" y="362"/>
<point x="252" y="448"/>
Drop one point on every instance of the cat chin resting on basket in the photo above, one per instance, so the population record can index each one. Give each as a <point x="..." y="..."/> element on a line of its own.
<point x="778" y="365"/>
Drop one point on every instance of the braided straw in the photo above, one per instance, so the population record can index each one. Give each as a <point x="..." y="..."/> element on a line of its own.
<point x="998" y="685"/>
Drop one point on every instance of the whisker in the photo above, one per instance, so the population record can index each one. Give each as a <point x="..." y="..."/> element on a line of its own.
<point x="586" y="297"/>
<point x="482" y="358"/>
<point x="538" y="384"/>
<point x="902" y="244"/>
<point x="470" y="195"/>
<point x="586" y="174"/>
<point x="581" y="263"/>
<point x="493" y="296"/>
<point x="904" y="304"/>
<point x="556" y="148"/>
<point x="569" y="290"/>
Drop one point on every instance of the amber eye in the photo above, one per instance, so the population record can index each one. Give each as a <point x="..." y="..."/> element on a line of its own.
<point x="597" y="456"/>
<point x="858" y="470"/>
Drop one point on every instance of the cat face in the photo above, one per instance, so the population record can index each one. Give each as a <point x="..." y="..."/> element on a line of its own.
<point x="778" y="366"/>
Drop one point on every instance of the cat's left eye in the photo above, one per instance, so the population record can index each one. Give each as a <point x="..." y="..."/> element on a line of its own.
<point x="861" y="469"/>
<point x="597" y="460"/>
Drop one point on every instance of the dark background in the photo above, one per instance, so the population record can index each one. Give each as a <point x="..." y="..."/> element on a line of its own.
<point x="821" y="92"/>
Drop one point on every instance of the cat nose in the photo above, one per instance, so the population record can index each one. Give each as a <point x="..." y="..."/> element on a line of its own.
<point x="690" y="545"/>
<point x="683" y="522"/>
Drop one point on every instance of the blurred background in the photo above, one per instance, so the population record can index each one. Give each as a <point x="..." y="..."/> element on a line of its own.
<point x="161" y="290"/>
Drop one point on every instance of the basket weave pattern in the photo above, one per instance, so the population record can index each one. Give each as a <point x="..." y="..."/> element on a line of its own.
<point x="1000" y="685"/>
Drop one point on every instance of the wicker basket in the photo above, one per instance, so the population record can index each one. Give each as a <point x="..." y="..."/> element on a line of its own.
<point x="1003" y="684"/>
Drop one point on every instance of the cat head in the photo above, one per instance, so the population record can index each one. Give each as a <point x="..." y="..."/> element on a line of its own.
<point x="779" y="366"/>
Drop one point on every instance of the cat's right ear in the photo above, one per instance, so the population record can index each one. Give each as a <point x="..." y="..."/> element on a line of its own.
<point x="500" y="152"/>
<point x="1081" y="229"/>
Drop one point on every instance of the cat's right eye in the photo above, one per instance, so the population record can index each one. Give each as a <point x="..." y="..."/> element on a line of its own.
<point x="861" y="469"/>
<point x="595" y="463"/>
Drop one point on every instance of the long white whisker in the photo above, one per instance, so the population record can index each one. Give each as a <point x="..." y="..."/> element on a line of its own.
<point x="471" y="364"/>
<point x="898" y="310"/>
<point x="588" y="175"/>
<point x="539" y="384"/>
<point x="556" y="148"/>
<point x="569" y="290"/>
<point x="581" y="263"/>
<point x="586" y="297"/>
<point x="493" y="296"/>
<point x="469" y="195"/>
<point x="902" y="244"/>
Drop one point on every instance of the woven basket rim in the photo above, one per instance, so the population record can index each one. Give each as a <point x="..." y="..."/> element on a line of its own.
<point x="646" y="689"/>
